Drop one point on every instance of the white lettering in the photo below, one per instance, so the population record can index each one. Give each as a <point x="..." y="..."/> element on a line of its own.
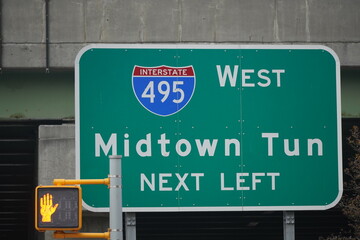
<point x="236" y="143"/>
<point x="240" y="180"/>
<point x="163" y="141"/>
<point x="278" y="77"/>
<point x="270" y="137"/>
<point x="227" y="74"/>
<point x="126" y="145"/>
<point x="163" y="181"/>
<point x="273" y="175"/>
<point x="144" y="179"/>
<point x="295" y="152"/>
<point x="256" y="180"/>
<point x="165" y="185"/>
<point x="99" y="143"/>
<point x="319" y="144"/>
<point x="206" y="147"/>
<point x="222" y="183"/>
<point x="266" y="78"/>
<point x="181" y="182"/>
<point x="144" y="142"/>
<point x="245" y="77"/>
<point x="197" y="180"/>
<point x="187" y="147"/>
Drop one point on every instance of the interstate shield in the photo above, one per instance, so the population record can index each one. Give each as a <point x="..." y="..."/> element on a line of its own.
<point x="163" y="90"/>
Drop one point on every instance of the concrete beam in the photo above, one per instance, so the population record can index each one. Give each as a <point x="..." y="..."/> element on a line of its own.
<point x="23" y="55"/>
<point x="245" y="21"/>
<point x="67" y="19"/>
<point x="63" y="55"/>
<point x="56" y="153"/>
<point x="334" y="20"/>
<point x="75" y="23"/>
<point x="23" y="21"/>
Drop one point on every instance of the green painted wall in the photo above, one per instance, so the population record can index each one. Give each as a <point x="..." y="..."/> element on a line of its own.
<point x="40" y="95"/>
<point x="37" y="95"/>
<point x="350" y="90"/>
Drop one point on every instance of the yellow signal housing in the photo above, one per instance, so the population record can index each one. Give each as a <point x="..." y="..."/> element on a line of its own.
<point x="58" y="208"/>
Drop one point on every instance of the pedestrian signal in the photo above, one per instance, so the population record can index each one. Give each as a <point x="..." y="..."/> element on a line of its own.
<point x="58" y="208"/>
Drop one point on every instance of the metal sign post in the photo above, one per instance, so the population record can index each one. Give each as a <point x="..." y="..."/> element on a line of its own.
<point x="116" y="232"/>
<point x="289" y="225"/>
<point x="130" y="226"/>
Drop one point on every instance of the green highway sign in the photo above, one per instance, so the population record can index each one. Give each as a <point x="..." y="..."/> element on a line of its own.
<point x="210" y="127"/>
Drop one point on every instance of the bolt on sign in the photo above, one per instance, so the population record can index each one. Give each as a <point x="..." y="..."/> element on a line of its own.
<point x="58" y="208"/>
<point x="210" y="127"/>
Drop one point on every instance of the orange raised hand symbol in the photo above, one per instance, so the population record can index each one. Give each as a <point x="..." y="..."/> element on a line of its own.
<point x="46" y="207"/>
